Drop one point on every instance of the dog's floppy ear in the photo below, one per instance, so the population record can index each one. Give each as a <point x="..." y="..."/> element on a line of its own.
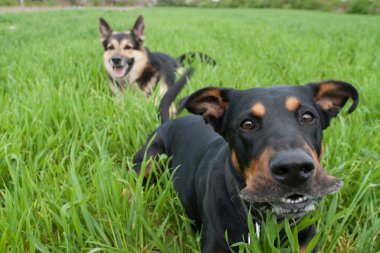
<point x="139" y="28"/>
<point x="104" y="29"/>
<point x="211" y="103"/>
<point x="330" y="96"/>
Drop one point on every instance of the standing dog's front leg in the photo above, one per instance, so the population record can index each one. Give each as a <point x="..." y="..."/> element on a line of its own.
<point x="116" y="90"/>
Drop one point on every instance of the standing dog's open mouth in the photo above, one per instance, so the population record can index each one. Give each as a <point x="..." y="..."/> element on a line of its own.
<point x="122" y="70"/>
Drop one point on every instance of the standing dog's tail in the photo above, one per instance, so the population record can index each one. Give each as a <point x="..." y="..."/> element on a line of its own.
<point x="190" y="56"/>
<point x="172" y="93"/>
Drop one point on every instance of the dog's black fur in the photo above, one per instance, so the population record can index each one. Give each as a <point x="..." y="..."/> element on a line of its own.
<point x="129" y="63"/>
<point x="259" y="148"/>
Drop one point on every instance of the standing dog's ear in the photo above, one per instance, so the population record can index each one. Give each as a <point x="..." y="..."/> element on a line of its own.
<point x="139" y="28"/>
<point x="211" y="103"/>
<point x="331" y="96"/>
<point x="104" y="29"/>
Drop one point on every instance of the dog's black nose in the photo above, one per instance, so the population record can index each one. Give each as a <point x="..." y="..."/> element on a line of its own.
<point x="292" y="167"/>
<point x="116" y="59"/>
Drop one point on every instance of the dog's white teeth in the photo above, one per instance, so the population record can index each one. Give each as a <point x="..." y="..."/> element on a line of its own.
<point x="293" y="201"/>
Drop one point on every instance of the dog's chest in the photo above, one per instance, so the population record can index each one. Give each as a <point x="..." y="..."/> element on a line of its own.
<point x="140" y="68"/>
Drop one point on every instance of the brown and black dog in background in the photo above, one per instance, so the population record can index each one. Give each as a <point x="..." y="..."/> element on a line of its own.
<point x="130" y="64"/>
<point x="254" y="149"/>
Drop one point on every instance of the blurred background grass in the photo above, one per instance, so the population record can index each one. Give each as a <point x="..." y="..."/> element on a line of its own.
<point x="347" y="6"/>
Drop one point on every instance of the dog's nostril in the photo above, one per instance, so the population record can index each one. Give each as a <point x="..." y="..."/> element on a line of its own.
<point x="280" y="171"/>
<point x="307" y="168"/>
<point x="283" y="170"/>
<point x="116" y="60"/>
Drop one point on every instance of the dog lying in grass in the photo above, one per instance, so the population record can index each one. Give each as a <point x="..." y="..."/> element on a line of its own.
<point x="249" y="151"/>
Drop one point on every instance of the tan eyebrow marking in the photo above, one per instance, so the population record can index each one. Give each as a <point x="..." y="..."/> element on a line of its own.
<point x="258" y="109"/>
<point x="125" y="42"/>
<point x="292" y="103"/>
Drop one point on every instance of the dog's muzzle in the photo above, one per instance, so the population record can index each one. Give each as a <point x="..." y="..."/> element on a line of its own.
<point x="121" y="65"/>
<point x="296" y="185"/>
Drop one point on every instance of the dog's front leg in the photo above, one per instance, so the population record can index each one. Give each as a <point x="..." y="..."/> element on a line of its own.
<point x="304" y="238"/>
<point x="117" y="92"/>
<point x="211" y="245"/>
<point x="151" y="150"/>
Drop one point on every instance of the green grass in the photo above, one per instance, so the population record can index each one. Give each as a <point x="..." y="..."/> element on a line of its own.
<point x="66" y="146"/>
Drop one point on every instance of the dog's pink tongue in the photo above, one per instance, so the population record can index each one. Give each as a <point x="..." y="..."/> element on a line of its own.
<point x="119" y="72"/>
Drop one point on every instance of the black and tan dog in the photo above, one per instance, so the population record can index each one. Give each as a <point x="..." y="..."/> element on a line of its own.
<point x="259" y="149"/>
<point x="129" y="63"/>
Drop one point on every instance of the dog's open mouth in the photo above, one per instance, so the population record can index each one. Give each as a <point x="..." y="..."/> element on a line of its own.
<point x="120" y="72"/>
<point x="121" y="69"/>
<point x="291" y="202"/>
<point x="293" y="206"/>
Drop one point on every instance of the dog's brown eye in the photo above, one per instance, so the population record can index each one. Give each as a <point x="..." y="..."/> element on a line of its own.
<point x="249" y="124"/>
<point x="110" y="47"/>
<point x="307" y="117"/>
<point x="127" y="47"/>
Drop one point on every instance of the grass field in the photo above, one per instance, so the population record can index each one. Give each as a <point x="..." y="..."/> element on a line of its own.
<point x="65" y="145"/>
